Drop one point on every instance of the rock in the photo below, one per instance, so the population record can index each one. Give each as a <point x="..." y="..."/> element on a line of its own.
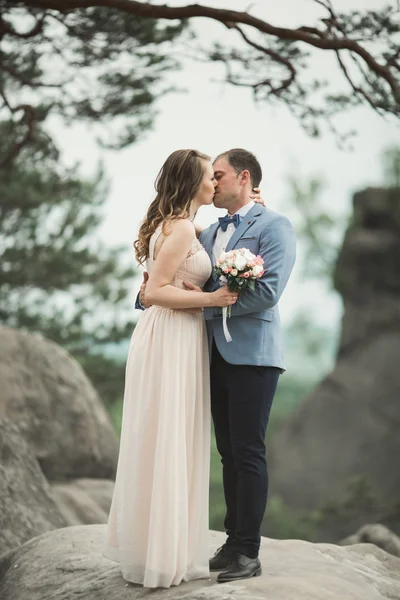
<point x="45" y="391"/>
<point x="84" y="501"/>
<point x="27" y="508"/>
<point x="345" y="436"/>
<point x="377" y="534"/>
<point x="68" y="563"/>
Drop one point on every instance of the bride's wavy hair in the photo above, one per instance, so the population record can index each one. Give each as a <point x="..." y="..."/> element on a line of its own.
<point x="176" y="185"/>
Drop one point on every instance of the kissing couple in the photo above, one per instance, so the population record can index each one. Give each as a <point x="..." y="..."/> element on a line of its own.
<point x="181" y="369"/>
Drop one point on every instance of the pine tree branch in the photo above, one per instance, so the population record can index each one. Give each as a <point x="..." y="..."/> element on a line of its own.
<point x="25" y="80"/>
<point x="28" y="119"/>
<point x="275" y="57"/>
<point x="315" y="37"/>
<point x="357" y="89"/>
<point x="392" y="60"/>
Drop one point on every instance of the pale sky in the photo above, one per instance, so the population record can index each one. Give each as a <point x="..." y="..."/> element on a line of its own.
<point x="212" y="117"/>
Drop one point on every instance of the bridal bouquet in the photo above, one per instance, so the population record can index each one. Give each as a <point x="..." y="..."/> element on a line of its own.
<point x="238" y="269"/>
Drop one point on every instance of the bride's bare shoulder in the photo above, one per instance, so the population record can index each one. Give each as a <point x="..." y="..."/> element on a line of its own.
<point x="180" y="229"/>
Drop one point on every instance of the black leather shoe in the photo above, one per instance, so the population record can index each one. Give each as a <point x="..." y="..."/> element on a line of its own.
<point x="221" y="558"/>
<point x="240" y="567"/>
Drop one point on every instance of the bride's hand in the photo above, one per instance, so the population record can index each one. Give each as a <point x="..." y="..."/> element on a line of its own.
<point x="256" y="196"/>
<point x="223" y="297"/>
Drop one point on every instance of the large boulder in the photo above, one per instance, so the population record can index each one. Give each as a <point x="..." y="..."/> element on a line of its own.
<point x="84" y="501"/>
<point x="341" y="447"/>
<point x="68" y="563"/>
<point x="27" y="507"/>
<point x="45" y="391"/>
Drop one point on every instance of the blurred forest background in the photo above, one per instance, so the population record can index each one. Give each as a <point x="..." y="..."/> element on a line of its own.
<point x="104" y="76"/>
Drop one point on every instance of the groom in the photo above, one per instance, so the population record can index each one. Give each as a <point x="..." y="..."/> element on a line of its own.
<point x="245" y="371"/>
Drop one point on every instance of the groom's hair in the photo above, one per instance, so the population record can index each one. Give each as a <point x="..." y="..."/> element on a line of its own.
<point x="243" y="160"/>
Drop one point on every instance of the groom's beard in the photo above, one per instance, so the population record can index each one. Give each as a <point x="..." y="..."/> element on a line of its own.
<point x="223" y="201"/>
<point x="219" y="201"/>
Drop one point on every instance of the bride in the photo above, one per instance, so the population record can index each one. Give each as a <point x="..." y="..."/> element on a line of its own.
<point x="158" y="523"/>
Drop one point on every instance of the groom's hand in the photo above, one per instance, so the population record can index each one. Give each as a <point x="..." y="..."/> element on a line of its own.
<point x="142" y="292"/>
<point x="190" y="287"/>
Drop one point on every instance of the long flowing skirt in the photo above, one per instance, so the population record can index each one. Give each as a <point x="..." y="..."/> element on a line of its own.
<point x="158" y="524"/>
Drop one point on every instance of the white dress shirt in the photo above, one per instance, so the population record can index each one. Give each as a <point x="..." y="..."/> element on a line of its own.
<point x="222" y="238"/>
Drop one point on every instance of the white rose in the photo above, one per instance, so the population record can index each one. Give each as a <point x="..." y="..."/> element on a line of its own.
<point x="240" y="262"/>
<point x="257" y="270"/>
<point x="247" y="254"/>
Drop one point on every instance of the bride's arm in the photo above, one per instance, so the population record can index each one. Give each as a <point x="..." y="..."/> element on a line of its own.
<point x="172" y="253"/>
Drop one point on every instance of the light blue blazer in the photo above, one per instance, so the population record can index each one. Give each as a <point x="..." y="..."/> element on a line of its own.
<point x="254" y="325"/>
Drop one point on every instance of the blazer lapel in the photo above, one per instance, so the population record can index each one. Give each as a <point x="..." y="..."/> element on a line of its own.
<point x="246" y="222"/>
<point x="209" y="241"/>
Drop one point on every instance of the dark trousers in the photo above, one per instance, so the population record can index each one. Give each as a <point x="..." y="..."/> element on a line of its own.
<point x="241" y="399"/>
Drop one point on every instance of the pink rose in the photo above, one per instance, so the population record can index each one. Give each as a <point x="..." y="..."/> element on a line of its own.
<point x="246" y="275"/>
<point x="234" y="272"/>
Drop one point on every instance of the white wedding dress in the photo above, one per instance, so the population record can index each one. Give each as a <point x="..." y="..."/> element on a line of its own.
<point x="158" y="524"/>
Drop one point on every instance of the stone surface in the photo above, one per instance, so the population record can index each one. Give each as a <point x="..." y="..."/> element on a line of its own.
<point x="27" y="507"/>
<point x="348" y="428"/>
<point x="45" y="391"/>
<point x="84" y="501"/>
<point x="68" y="563"/>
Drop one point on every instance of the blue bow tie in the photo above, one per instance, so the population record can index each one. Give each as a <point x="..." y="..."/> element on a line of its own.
<point x="225" y="221"/>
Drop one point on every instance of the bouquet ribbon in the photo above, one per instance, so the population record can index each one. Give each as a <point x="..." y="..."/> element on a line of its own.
<point x="225" y="314"/>
<point x="224" y="324"/>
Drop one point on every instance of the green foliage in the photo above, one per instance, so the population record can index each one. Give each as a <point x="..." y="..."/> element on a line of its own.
<point x="100" y="66"/>
<point x="317" y="228"/>
<point x="364" y="500"/>
<point x="360" y="498"/>
<point x="115" y="411"/>
<point x="217" y="501"/>
<point x="108" y="65"/>
<point x="277" y="69"/>
<point x="56" y="277"/>
<point x="310" y="348"/>
<point x="361" y="505"/>
<point x="108" y="377"/>
<point x="97" y="65"/>
<point x="282" y="522"/>
<point x="292" y="389"/>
